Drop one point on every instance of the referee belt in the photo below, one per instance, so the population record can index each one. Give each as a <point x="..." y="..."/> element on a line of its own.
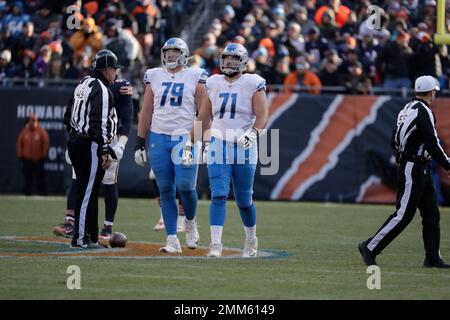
<point x="74" y="134"/>
<point x="414" y="158"/>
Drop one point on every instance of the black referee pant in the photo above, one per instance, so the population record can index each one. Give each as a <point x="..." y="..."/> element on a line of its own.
<point x="88" y="169"/>
<point x="416" y="191"/>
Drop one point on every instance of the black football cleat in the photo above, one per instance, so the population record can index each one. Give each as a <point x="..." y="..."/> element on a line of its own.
<point x="435" y="264"/>
<point x="89" y="246"/>
<point x="368" y="257"/>
<point x="64" y="230"/>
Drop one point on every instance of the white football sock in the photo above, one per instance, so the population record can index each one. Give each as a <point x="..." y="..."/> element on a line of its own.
<point x="172" y="237"/>
<point x="250" y="232"/>
<point x="216" y="234"/>
<point x="190" y="222"/>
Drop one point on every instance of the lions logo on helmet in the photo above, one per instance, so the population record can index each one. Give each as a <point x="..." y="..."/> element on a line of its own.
<point x="171" y="60"/>
<point x="237" y="66"/>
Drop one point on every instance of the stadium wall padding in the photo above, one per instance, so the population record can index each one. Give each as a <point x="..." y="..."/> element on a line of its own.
<point x="331" y="147"/>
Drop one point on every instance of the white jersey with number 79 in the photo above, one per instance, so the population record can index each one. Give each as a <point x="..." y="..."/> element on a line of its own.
<point x="174" y="98"/>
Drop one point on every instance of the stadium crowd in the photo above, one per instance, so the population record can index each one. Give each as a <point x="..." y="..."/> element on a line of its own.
<point x="41" y="38"/>
<point x="332" y="43"/>
<point x="313" y="43"/>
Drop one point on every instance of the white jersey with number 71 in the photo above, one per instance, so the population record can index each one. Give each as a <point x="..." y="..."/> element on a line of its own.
<point x="232" y="107"/>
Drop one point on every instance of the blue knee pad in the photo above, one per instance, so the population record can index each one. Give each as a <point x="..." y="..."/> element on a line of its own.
<point x="185" y="185"/>
<point x="189" y="200"/>
<point x="244" y="199"/>
<point x="248" y="215"/>
<point x="188" y="197"/>
<point x="167" y="188"/>
<point x="217" y="211"/>
<point x="247" y="208"/>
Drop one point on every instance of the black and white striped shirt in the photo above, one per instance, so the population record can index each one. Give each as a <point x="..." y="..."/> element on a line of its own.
<point x="91" y="111"/>
<point x="416" y="136"/>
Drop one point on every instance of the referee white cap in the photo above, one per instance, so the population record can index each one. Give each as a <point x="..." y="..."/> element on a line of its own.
<point x="425" y="84"/>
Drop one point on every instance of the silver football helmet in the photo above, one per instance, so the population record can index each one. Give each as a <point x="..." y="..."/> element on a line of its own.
<point x="235" y="50"/>
<point x="171" y="60"/>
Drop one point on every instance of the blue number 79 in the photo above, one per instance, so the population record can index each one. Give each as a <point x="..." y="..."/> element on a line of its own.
<point x="177" y="94"/>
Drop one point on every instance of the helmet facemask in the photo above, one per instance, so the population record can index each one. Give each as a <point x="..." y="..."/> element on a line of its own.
<point x="171" y="58"/>
<point x="231" y="64"/>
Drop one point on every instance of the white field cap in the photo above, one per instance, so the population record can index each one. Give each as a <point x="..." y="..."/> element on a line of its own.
<point x="425" y="84"/>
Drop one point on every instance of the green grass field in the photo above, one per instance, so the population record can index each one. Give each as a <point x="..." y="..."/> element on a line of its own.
<point x="320" y="239"/>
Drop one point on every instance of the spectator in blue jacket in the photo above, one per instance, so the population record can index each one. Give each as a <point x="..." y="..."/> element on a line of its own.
<point x="16" y="19"/>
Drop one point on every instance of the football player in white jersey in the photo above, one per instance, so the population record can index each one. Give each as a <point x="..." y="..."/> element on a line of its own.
<point x="238" y="107"/>
<point x="172" y="95"/>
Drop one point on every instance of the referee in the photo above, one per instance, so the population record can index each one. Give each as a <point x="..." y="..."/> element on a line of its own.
<point x="91" y="120"/>
<point x="415" y="141"/>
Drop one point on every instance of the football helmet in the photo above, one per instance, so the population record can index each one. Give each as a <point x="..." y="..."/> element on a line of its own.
<point x="170" y="60"/>
<point x="105" y="59"/>
<point x="235" y="50"/>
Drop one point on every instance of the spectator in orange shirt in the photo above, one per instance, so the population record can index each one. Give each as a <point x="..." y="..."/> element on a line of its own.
<point x="32" y="148"/>
<point x="342" y="13"/>
<point x="303" y="77"/>
<point x="269" y="41"/>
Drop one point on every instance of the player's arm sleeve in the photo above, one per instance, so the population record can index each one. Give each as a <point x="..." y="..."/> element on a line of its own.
<point x="259" y="84"/>
<point x="98" y="116"/>
<point x="203" y="76"/>
<point x="260" y="108"/>
<point x="125" y="104"/>
<point x="148" y="77"/>
<point x="394" y="144"/>
<point x="208" y="85"/>
<point x="430" y="138"/>
<point x="68" y="114"/>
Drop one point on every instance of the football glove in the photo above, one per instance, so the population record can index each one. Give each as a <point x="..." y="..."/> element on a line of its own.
<point x="248" y="138"/>
<point x="187" y="158"/>
<point x="140" y="157"/>
<point x="120" y="147"/>
<point x="206" y="152"/>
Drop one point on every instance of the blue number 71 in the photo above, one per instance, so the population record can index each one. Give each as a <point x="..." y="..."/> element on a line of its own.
<point x="225" y="97"/>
